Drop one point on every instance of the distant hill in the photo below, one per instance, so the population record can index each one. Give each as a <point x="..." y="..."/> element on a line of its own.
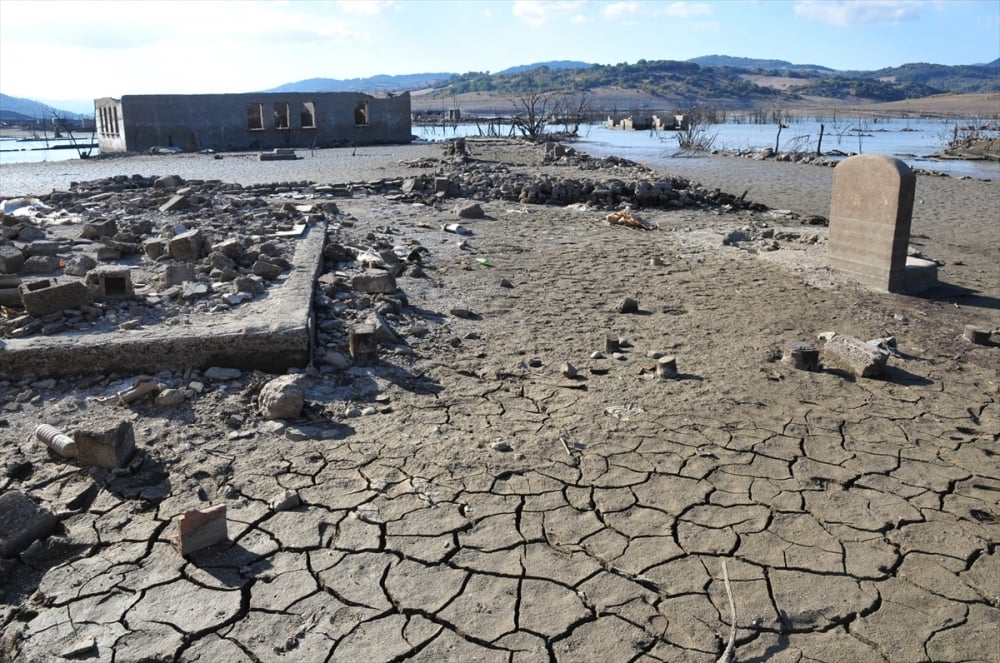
<point x="373" y="84"/>
<point x="18" y="109"/>
<point x="754" y="63"/>
<point x="958" y="79"/>
<point x="552" y="64"/>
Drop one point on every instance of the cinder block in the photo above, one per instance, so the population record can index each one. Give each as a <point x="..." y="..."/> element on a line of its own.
<point x="109" y="448"/>
<point x="46" y="296"/>
<point x="22" y="522"/>
<point x="111" y="282"/>
<point x="202" y="528"/>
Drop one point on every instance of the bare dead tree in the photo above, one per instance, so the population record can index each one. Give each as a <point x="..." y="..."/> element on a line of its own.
<point x="531" y="113"/>
<point x="572" y="110"/>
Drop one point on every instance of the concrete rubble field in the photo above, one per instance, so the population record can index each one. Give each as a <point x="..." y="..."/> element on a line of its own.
<point x="453" y="409"/>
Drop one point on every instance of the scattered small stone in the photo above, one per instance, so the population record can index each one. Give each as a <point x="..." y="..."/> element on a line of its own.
<point x="220" y="373"/>
<point x="83" y="646"/>
<point x="169" y="398"/>
<point x="568" y="370"/>
<point x="286" y="501"/>
<point x="505" y="283"/>
<point x="503" y="446"/>
<point x="666" y="367"/>
<point x="282" y="397"/>
<point x="628" y="305"/>
<point x="469" y="211"/>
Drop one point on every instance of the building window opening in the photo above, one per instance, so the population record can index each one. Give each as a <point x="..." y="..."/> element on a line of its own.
<point x="281" y="116"/>
<point x="307" y="116"/>
<point x="361" y="113"/>
<point x="255" y="117"/>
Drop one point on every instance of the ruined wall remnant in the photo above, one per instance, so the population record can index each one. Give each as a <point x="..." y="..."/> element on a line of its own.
<point x="257" y="121"/>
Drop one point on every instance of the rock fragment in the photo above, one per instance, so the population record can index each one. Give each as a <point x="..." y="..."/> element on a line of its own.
<point x="859" y="358"/>
<point x="282" y="397"/>
<point x="22" y="523"/>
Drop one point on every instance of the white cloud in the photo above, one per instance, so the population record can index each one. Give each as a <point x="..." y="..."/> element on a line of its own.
<point x="540" y="12"/>
<point x="688" y="9"/>
<point x="843" y="13"/>
<point x="620" y="10"/>
<point x="366" y="7"/>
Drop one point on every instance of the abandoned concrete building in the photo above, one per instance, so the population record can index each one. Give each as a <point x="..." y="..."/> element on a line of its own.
<point x="255" y="121"/>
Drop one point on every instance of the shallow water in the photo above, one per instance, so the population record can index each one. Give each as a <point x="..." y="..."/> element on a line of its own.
<point x="38" y="151"/>
<point x="913" y="141"/>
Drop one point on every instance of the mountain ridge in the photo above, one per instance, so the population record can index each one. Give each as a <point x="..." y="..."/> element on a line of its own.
<point x="743" y="76"/>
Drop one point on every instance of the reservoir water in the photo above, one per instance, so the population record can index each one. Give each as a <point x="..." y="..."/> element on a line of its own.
<point x="912" y="140"/>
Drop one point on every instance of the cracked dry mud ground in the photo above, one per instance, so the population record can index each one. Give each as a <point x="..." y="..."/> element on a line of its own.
<point x="494" y="510"/>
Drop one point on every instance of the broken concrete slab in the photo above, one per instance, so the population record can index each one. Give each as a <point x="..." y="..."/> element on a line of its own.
<point x="272" y="335"/>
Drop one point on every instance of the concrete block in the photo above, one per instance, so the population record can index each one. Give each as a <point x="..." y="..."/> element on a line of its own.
<point x="363" y="345"/>
<point x="188" y="245"/>
<point x="154" y="248"/>
<point x="373" y="281"/>
<point x="46" y="296"/>
<point x="852" y="354"/>
<point x="109" y="447"/>
<point x="178" y="274"/>
<point x="40" y="265"/>
<point x="801" y="355"/>
<point x="11" y="260"/>
<point x="975" y="335"/>
<point x="99" y="229"/>
<point x="201" y="528"/>
<point x="42" y="247"/>
<point x="22" y="522"/>
<point x="111" y="282"/>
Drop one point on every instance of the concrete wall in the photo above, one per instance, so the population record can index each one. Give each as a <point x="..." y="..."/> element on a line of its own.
<point x="256" y="121"/>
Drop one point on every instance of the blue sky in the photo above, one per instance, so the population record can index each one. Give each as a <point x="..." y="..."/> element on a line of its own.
<point x="82" y="50"/>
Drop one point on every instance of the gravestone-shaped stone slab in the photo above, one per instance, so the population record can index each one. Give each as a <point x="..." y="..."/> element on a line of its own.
<point x="870" y="217"/>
